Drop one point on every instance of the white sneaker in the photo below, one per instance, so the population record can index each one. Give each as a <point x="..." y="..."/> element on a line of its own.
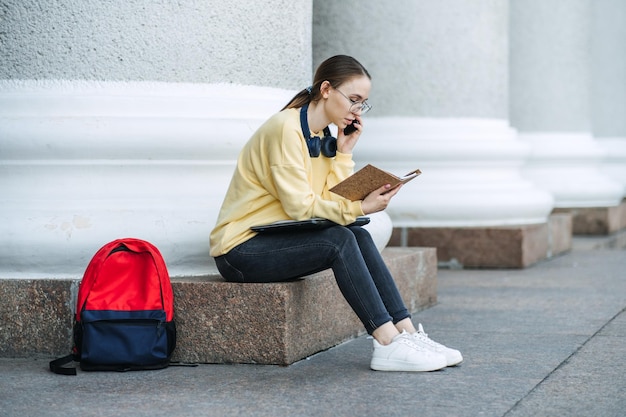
<point x="453" y="356"/>
<point x="403" y="354"/>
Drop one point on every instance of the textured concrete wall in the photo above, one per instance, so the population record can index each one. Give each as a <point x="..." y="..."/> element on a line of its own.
<point x="550" y="68"/>
<point x="608" y="87"/>
<point x="445" y="58"/>
<point x="206" y="41"/>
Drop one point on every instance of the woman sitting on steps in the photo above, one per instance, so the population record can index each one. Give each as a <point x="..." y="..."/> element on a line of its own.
<point x="281" y="175"/>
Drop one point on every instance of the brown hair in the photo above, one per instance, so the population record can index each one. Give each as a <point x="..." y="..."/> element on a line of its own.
<point x="336" y="70"/>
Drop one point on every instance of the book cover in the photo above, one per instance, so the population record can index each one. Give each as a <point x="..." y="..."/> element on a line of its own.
<point x="367" y="179"/>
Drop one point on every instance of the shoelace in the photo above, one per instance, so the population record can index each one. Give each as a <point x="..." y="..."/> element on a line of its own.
<point x="406" y="339"/>
<point x="423" y="337"/>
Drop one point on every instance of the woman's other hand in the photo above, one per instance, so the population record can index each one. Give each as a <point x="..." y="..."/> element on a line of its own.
<point x="379" y="199"/>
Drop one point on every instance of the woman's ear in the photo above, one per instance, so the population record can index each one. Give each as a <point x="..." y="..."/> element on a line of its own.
<point x="325" y="89"/>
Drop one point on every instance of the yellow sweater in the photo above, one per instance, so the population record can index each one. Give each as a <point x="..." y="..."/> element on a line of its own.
<point x="276" y="179"/>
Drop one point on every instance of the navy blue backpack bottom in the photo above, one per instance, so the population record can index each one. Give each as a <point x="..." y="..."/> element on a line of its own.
<point x="124" y="340"/>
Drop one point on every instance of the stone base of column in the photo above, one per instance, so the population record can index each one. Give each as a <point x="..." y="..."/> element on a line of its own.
<point x="491" y="247"/>
<point x="596" y="220"/>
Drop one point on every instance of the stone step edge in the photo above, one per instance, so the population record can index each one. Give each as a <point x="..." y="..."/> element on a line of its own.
<point x="511" y="246"/>
<point x="220" y="322"/>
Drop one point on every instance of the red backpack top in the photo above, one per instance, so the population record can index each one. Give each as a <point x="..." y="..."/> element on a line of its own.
<point x="135" y="278"/>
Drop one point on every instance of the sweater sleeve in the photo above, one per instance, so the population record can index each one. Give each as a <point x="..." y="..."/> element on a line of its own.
<point x="341" y="168"/>
<point x="291" y="180"/>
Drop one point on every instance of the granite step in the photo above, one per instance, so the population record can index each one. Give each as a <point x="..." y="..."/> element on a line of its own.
<point x="511" y="246"/>
<point x="217" y="321"/>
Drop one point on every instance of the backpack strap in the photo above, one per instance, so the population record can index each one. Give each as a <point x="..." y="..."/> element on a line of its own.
<point x="57" y="367"/>
<point x="184" y="364"/>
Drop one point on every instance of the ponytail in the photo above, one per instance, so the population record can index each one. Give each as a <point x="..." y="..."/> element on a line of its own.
<point x="299" y="100"/>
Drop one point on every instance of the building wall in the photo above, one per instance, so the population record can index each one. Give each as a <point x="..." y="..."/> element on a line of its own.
<point x="550" y="73"/>
<point x="264" y="43"/>
<point x="608" y="67"/>
<point x="431" y="59"/>
<point x="552" y="50"/>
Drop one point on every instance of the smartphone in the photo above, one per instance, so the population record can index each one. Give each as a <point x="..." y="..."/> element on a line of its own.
<point x="350" y="128"/>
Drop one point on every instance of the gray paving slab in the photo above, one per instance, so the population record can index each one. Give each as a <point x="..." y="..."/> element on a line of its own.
<point x="543" y="341"/>
<point x="589" y="383"/>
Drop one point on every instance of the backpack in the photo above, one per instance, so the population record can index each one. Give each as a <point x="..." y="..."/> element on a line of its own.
<point x="124" y="313"/>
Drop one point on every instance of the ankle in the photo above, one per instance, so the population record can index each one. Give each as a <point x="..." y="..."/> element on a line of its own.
<point x="405" y="325"/>
<point x="385" y="333"/>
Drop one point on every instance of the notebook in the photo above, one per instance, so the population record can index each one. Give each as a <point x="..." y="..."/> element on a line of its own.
<point x="296" y="225"/>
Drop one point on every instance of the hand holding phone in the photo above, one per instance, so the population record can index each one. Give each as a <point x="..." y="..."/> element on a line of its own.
<point x="351" y="128"/>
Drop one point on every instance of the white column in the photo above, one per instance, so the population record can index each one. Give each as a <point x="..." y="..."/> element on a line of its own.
<point x="550" y="83"/>
<point x="440" y="104"/>
<point x="83" y="164"/>
<point x="121" y="120"/>
<point x="608" y="81"/>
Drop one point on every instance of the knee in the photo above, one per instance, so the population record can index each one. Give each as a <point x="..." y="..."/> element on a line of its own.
<point x="361" y="234"/>
<point x="339" y="233"/>
<point x="340" y="236"/>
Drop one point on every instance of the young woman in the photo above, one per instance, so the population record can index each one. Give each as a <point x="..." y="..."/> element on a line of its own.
<point x="285" y="172"/>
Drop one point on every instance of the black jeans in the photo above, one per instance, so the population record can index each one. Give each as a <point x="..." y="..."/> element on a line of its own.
<point x="360" y="272"/>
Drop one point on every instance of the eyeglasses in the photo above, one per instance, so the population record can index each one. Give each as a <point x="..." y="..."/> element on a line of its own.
<point x="357" y="106"/>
